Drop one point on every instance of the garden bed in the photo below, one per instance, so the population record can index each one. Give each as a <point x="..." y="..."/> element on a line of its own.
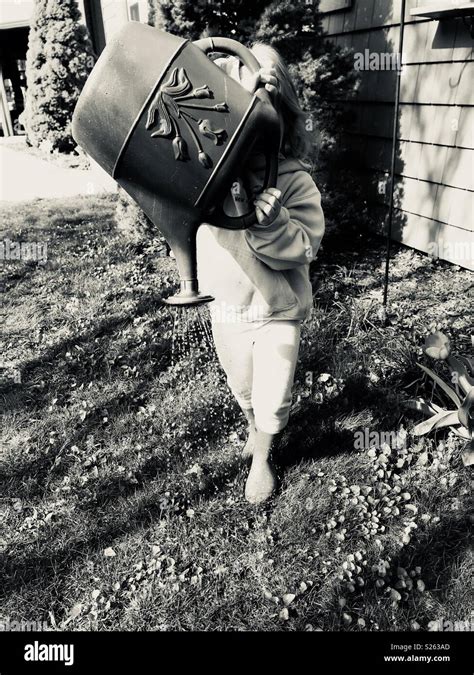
<point x="121" y="486"/>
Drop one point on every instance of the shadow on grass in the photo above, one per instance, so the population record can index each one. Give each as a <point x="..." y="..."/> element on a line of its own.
<point x="50" y="366"/>
<point x="316" y="431"/>
<point x="167" y="460"/>
<point x="438" y="551"/>
<point x="40" y="467"/>
<point x="30" y="480"/>
<point x="22" y="570"/>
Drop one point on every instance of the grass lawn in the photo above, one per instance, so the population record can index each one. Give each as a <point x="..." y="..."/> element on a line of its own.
<point x="121" y="486"/>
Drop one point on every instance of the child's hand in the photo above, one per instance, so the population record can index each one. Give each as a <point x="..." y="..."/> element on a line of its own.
<point x="267" y="207"/>
<point x="266" y="76"/>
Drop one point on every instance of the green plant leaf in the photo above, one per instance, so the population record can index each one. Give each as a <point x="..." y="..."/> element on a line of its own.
<point x="445" y="387"/>
<point x="452" y="418"/>
<point x="442" y="419"/>
<point x="468" y="362"/>
<point x="461" y="432"/>
<point x="420" y="405"/>
<point x="468" y="453"/>
<point x="465" y="408"/>
<point x="466" y="382"/>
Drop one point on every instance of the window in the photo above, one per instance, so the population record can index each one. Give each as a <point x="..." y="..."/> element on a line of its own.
<point x="446" y="9"/>
<point x="134" y="11"/>
<point x="326" y="6"/>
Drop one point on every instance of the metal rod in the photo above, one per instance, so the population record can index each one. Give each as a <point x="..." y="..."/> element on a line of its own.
<point x="394" y="154"/>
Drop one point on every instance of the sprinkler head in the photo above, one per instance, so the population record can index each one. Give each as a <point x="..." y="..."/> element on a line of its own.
<point x="188" y="295"/>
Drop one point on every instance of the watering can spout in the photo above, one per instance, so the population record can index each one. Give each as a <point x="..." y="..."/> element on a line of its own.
<point x="175" y="130"/>
<point x="188" y="282"/>
<point x="188" y="294"/>
<point x="179" y="226"/>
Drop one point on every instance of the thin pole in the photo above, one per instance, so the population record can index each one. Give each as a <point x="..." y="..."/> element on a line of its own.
<point x="394" y="153"/>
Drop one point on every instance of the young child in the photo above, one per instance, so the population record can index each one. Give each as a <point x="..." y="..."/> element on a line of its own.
<point x="259" y="276"/>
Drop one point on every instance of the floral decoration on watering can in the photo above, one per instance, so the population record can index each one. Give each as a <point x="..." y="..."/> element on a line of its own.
<point x="167" y="108"/>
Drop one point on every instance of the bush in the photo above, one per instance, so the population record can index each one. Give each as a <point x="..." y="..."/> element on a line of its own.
<point x="135" y="225"/>
<point x="326" y="81"/>
<point x="59" y="59"/>
<point x="228" y="18"/>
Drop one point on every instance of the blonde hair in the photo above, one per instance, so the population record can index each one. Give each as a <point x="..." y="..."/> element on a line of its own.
<point x="296" y="142"/>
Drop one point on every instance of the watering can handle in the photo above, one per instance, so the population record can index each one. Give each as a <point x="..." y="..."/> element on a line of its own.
<point x="245" y="56"/>
<point x="230" y="47"/>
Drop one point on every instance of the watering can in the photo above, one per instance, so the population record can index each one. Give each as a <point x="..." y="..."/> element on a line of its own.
<point x="174" y="130"/>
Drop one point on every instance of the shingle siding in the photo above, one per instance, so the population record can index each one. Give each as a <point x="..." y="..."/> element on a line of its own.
<point x="435" y="153"/>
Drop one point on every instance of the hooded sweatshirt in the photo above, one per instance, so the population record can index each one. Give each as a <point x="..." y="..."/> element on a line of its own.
<point x="263" y="272"/>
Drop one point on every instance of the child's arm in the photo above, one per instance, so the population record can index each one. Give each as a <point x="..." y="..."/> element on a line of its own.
<point x="294" y="236"/>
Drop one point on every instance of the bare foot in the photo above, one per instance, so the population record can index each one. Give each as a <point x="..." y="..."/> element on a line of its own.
<point x="247" y="450"/>
<point x="261" y="481"/>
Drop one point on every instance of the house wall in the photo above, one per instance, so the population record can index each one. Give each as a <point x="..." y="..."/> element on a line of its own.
<point x="116" y="13"/>
<point x="15" y="16"/>
<point x="434" y="170"/>
<point x="15" y="13"/>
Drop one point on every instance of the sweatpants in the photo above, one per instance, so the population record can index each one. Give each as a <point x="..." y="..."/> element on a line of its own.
<point x="259" y="359"/>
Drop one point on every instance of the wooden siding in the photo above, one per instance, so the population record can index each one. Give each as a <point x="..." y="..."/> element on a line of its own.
<point x="435" y="153"/>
